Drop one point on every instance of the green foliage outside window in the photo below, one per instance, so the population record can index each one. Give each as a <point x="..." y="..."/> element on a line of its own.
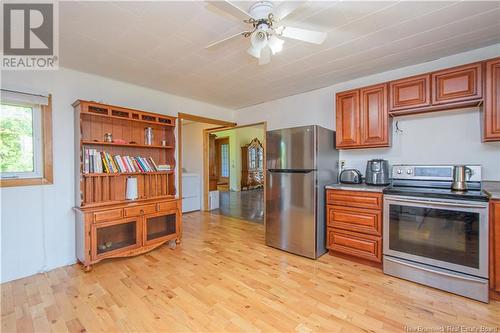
<point x="16" y="138"/>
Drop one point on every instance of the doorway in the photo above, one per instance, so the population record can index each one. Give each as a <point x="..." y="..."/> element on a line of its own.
<point x="236" y="170"/>
<point x="191" y="152"/>
<point x="222" y="163"/>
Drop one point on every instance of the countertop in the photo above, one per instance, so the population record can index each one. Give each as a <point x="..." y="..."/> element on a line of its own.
<point x="492" y="188"/>
<point x="357" y="187"/>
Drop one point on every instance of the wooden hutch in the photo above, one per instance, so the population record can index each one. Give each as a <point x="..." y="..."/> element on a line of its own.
<point x="252" y="165"/>
<point x="107" y="224"/>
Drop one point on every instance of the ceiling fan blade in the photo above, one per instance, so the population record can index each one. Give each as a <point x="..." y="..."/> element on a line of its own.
<point x="286" y="8"/>
<point x="310" y="36"/>
<point x="231" y="9"/>
<point x="225" y="39"/>
<point x="265" y="56"/>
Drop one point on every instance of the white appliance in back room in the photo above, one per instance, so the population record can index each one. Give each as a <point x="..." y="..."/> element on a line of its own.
<point x="191" y="192"/>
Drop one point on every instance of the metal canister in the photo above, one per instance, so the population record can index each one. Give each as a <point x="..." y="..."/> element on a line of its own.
<point x="108" y="137"/>
<point x="148" y="135"/>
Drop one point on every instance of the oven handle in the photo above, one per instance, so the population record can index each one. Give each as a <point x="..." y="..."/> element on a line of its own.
<point x="434" y="271"/>
<point x="438" y="203"/>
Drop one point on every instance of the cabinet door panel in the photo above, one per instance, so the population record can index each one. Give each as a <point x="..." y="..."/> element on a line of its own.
<point x="492" y="102"/>
<point x="161" y="226"/>
<point x="457" y="84"/>
<point x="347" y="119"/>
<point x="110" y="238"/>
<point x="374" y="116"/>
<point x="410" y="93"/>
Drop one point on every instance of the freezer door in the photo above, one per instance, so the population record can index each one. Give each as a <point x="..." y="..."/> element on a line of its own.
<point x="291" y="148"/>
<point x="291" y="212"/>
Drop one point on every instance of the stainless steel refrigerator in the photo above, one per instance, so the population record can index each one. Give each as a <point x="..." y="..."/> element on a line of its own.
<point x="300" y="161"/>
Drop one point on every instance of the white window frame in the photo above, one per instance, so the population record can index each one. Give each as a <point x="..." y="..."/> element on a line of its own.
<point x="37" y="144"/>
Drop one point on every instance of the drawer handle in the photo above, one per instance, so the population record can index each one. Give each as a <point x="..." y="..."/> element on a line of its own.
<point x="142" y="212"/>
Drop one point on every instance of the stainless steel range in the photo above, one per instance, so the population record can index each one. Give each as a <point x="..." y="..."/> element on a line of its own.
<point x="434" y="235"/>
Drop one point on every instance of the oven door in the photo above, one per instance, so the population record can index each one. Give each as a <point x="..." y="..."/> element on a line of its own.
<point x="450" y="234"/>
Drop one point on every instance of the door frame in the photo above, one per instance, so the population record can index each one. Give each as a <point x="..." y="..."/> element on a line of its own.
<point x="217" y="160"/>
<point x="206" y="133"/>
<point x="200" y="119"/>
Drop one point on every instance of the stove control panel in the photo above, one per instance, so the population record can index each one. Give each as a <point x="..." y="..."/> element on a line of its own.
<point x="432" y="172"/>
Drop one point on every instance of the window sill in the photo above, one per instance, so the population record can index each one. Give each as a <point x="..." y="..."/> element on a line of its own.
<point x="24" y="182"/>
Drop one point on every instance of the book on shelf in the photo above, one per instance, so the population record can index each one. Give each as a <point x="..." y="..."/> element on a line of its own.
<point x="102" y="162"/>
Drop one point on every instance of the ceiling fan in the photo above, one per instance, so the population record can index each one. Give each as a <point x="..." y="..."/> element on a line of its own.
<point x="266" y="28"/>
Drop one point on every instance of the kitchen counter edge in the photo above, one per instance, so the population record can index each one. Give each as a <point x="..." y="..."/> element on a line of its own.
<point x="357" y="187"/>
<point x="492" y="188"/>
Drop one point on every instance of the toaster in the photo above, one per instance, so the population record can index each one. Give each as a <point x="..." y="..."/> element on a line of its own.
<point x="350" y="176"/>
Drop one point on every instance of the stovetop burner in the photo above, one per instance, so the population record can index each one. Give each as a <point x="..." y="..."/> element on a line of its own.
<point x="434" y="181"/>
<point x="443" y="193"/>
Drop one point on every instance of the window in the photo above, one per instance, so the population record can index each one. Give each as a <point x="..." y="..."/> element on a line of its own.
<point x="20" y="141"/>
<point x="224" y="150"/>
<point x="25" y="139"/>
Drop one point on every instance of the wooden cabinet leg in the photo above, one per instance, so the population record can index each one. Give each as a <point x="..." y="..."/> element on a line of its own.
<point x="87" y="268"/>
<point x="178" y="240"/>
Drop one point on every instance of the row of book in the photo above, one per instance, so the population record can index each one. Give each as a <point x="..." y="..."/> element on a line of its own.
<point x="102" y="162"/>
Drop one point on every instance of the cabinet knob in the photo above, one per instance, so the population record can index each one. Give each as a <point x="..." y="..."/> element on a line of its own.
<point x="142" y="212"/>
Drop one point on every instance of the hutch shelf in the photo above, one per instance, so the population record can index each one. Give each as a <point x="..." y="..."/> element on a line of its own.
<point x="107" y="224"/>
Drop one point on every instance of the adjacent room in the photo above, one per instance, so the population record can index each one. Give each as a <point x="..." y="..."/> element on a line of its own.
<point x="250" y="166"/>
<point x="238" y="169"/>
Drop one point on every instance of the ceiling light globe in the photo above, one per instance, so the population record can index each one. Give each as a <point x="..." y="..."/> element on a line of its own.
<point x="259" y="39"/>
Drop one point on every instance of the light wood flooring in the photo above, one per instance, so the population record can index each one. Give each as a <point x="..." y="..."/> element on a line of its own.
<point x="245" y="205"/>
<point x="222" y="278"/>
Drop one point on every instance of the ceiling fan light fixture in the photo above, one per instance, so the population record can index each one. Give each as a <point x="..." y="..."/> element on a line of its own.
<point x="254" y="52"/>
<point x="265" y="29"/>
<point x="265" y="56"/>
<point x="275" y="44"/>
<point x="259" y="38"/>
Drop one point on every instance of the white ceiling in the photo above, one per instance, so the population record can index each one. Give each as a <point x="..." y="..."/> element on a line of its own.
<point x="161" y="44"/>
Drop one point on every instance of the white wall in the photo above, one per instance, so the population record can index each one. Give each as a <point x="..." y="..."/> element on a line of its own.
<point x="446" y="137"/>
<point x="435" y="138"/>
<point x="192" y="150"/>
<point x="37" y="222"/>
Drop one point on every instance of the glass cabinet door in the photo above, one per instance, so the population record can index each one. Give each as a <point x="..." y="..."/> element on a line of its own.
<point x="111" y="237"/>
<point x="161" y="226"/>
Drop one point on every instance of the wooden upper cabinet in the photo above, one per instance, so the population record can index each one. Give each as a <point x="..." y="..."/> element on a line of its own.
<point x="457" y="84"/>
<point x="348" y="119"/>
<point x="410" y="93"/>
<point x="362" y="118"/>
<point x="374" y="116"/>
<point x="491" y="116"/>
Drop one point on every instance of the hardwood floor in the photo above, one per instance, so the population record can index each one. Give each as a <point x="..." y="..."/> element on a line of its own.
<point x="222" y="278"/>
<point x="245" y="205"/>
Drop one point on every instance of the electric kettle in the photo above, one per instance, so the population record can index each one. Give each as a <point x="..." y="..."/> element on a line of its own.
<point x="461" y="174"/>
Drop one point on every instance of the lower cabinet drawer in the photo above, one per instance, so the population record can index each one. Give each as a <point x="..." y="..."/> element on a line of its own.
<point x="359" y="199"/>
<point x="140" y="210"/>
<point x="355" y="219"/>
<point x="167" y="205"/>
<point x="108" y="215"/>
<point x="367" y="247"/>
